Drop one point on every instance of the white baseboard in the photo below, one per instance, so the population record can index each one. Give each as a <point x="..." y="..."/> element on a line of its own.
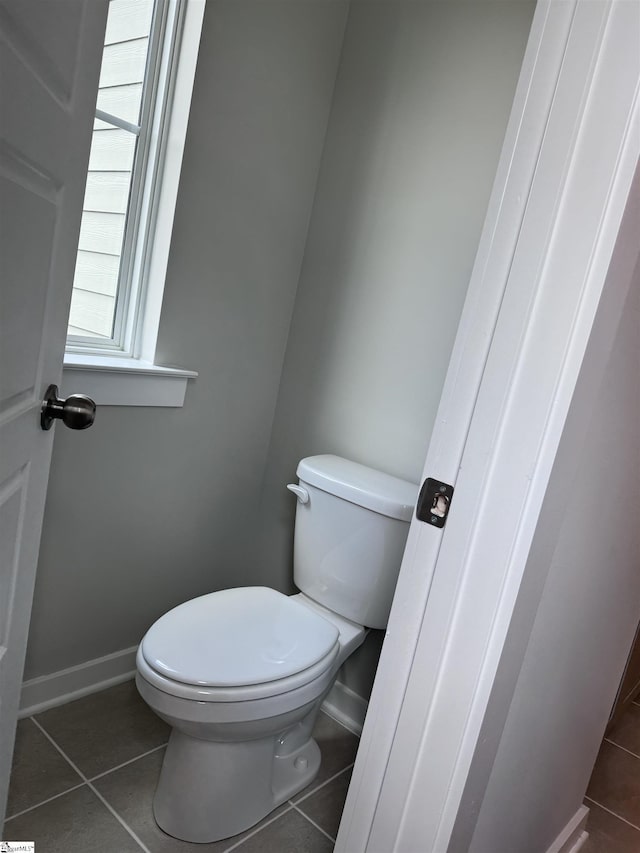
<point x="48" y="691"/>
<point x="346" y="707"/>
<point x="574" y="835"/>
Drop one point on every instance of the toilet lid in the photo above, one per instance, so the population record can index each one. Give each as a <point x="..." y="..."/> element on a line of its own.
<point x="237" y="637"/>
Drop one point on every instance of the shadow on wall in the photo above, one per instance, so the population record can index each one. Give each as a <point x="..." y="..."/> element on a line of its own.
<point x="420" y="108"/>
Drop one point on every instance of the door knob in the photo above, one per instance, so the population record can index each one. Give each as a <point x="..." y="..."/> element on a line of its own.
<point x="76" y="412"/>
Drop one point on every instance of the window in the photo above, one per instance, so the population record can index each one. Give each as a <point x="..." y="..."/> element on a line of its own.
<point x="121" y="197"/>
<point x="130" y="204"/>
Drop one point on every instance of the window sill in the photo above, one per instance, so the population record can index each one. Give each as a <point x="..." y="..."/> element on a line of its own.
<point x="113" y="381"/>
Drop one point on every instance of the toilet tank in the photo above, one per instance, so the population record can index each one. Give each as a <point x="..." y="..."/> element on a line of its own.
<point x="350" y="535"/>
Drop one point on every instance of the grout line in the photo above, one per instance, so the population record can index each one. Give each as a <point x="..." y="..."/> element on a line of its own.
<point x="126" y="763"/>
<point x="88" y="782"/>
<point x="292" y="806"/>
<point x="321" y="785"/>
<point x="257" y="830"/>
<point x="85" y="779"/>
<point x="615" y="814"/>
<point x="623" y="748"/>
<point x="93" y="788"/>
<point x="44" y="802"/>
<point x="306" y="817"/>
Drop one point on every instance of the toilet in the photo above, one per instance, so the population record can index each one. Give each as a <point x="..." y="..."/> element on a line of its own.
<point x="240" y="674"/>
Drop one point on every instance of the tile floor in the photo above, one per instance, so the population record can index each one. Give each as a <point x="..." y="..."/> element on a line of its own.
<point x="613" y="795"/>
<point x="84" y="776"/>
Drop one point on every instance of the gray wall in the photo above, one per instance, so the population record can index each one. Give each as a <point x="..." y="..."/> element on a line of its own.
<point x="421" y="104"/>
<point x="166" y="493"/>
<point x="579" y="605"/>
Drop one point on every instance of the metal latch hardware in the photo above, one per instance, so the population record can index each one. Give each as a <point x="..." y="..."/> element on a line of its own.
<point x="434" y="502"/>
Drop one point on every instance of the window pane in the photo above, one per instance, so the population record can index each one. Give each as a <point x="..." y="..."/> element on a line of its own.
<point x="111" y="162"/>
<point x="95" y="284"/>
<point x="107" y="191"/>
<point x="112" y="150"/>
<point x="123" y="63"/>
<point x="121" y="101"/>
<point x="128" y="19"/>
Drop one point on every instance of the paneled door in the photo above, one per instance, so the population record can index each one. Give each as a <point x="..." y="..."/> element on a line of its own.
<point x="50" y="52"/>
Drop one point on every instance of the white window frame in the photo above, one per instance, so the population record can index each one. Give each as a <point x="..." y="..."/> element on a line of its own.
<point x="122" y="371"/>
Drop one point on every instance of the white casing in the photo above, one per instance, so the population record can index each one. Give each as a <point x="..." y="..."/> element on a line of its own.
<point x="347" y="557"/>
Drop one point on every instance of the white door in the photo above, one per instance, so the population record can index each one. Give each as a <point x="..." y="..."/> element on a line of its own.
<point x="50" y="56"/>
<point x="565" y="174"/>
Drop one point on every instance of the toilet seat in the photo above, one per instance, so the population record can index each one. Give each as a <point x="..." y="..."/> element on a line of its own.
<point x="237" y="645"/>
<point x="231" y="696"/>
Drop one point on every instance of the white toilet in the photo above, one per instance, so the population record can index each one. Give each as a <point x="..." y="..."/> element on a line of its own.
<point x="240" y="674"/>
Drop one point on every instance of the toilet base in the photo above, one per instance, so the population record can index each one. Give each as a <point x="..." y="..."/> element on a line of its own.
<point x="209" y="790"/>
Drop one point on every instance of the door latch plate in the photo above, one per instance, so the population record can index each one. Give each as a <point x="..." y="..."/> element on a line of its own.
<point x="434" y="502"/>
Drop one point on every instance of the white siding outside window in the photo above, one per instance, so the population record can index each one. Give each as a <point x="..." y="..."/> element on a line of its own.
<point x="96" y="284"/>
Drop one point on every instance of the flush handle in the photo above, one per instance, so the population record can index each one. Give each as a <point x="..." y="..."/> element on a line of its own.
<point x="300" y="493"/>
<point x="76" y="412"/>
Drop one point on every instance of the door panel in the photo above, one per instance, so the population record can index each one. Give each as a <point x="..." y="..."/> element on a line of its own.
<point x="47" y="37"/>
<point x="49" y="67"/>
<point x="24" y="290"/>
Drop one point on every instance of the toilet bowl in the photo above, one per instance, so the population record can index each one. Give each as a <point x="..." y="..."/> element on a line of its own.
<point x="253" y="736"/>
<point x="240" y="674"/>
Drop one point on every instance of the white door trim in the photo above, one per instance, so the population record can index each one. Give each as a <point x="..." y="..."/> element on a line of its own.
<point x="523" y="139"/>
<point x="560" y="191"/>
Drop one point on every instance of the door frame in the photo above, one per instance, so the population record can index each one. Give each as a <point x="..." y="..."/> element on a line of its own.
<point x="561" y="187"/>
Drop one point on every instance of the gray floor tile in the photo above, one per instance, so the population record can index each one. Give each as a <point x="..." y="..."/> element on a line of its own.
<point x="338" y="747"/>
<point x="73" y="823"/>
<point x="607" y="834"/>
<point x="130" y="792"/>
<point x="39" y="771"/>
<point x="615" y="782"/>
<point x="105" y="729"/>
<point x="291" y="833"/>
<point x="626" y="732"/>
<point x="326" y="805"/>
